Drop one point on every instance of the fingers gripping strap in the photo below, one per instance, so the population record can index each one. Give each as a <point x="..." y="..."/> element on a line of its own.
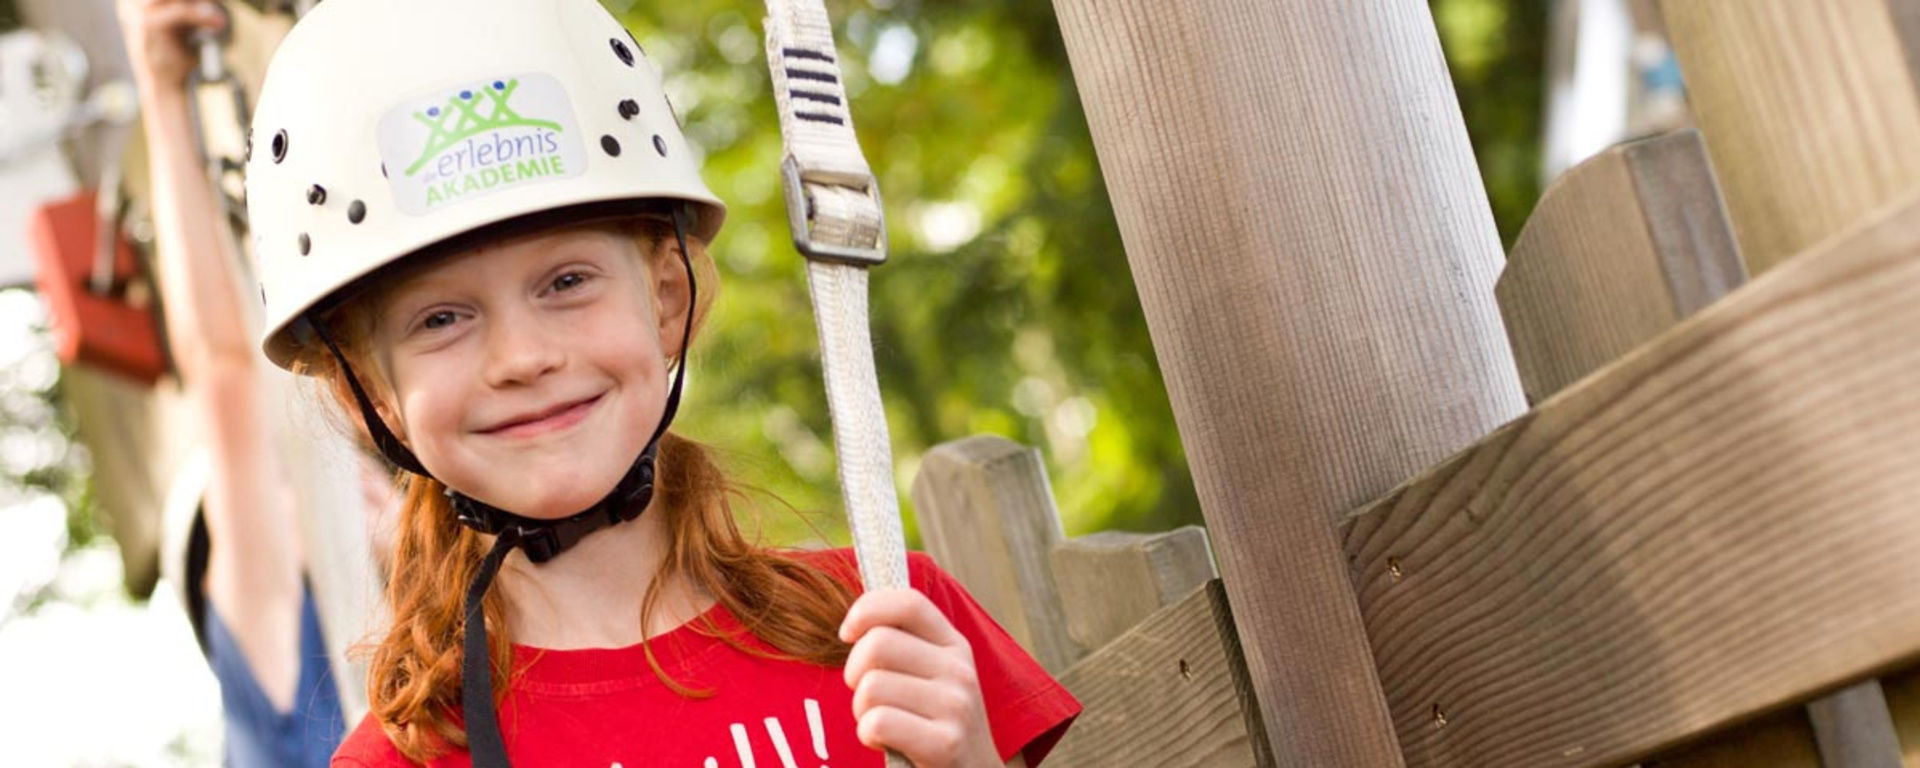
<point x="833" y="205"/>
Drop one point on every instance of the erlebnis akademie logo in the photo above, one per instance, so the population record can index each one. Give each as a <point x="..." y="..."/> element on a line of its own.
<point x="463" y="142"/>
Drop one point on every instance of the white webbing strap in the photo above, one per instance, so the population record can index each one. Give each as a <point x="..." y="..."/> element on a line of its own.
<point x="834" y="207"/>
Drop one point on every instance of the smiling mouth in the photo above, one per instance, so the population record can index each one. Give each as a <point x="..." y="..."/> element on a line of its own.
<point x="553" y="420"/>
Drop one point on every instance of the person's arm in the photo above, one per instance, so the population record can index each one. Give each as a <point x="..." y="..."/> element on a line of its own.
<point x="253" y="571"/>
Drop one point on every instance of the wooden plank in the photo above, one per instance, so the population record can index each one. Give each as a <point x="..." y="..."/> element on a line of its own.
<point x="986" y="515"/>
<point x="1170" y="692"/>
<point x="1315" y="256"/>
<point x="1808" y="110"/>
<point x="1717" y="525"/>
<point x="1619" y="249"/>
<point x="1111" y="580"/>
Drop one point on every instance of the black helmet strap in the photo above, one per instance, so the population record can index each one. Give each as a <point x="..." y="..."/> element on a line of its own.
<point x="540" y="539"/>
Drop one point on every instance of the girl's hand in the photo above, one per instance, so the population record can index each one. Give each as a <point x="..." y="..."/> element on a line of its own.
<point x="914" y="688"/>
<point x="157" y="34"/>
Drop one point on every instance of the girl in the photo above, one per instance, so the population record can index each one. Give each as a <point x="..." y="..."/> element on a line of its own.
<point x="479" y="226"/>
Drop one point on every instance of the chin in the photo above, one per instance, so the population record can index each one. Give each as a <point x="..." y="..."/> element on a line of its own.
<point x="543" y="506"/>
<point x="558" y="495"/>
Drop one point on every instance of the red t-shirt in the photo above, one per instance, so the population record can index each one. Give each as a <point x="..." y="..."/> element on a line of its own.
<point x="606" y="707"/>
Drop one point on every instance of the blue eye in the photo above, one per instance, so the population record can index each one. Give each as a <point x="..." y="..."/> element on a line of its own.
<point x="436" y="320"/>
<point x="568" y="281"/>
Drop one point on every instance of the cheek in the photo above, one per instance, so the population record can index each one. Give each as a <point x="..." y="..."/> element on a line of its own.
<point x="426" y="413"/>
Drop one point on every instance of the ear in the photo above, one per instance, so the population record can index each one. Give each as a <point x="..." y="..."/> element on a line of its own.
<point x="672" y="297"/>
<point x="380" y="392"/>
<point x="391" y="417"/>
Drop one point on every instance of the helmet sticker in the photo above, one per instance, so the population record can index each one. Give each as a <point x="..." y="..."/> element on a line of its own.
<point x="456" y="144"/>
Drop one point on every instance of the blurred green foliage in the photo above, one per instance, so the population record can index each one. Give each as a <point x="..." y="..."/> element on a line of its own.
<point x="1008" y="306"/>
<point x="38" y="457"/>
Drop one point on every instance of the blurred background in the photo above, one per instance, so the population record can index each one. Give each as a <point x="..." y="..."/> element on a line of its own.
<point x="1008" y="307"/>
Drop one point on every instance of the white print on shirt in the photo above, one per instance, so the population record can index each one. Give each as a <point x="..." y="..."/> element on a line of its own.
<point x="743" y="744"/>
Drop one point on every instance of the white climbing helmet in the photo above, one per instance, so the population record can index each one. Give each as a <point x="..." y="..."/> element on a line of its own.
<point x="385" y="127"/>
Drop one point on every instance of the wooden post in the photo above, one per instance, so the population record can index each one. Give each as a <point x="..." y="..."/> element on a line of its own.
<point x="1808" y="109"/>
<point x="1111" y="580"/>
<point x="1316" y="257"/>
<point x="986" y="515"/>
<point x="1620" y="248"/>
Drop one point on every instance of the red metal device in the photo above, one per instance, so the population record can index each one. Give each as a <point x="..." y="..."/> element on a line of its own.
<point x="100" y="329"/>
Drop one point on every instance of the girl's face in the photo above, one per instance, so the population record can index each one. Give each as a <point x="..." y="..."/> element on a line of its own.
<point x="528" y="374"/>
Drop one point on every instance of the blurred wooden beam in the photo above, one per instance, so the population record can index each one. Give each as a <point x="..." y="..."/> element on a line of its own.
<point x="1808" y="109"/>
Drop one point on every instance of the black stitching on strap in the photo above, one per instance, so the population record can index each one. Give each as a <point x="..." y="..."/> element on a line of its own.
<point x="824" y="98"/>
<point x="805" y="53"/>
<point x="808" y="74"/>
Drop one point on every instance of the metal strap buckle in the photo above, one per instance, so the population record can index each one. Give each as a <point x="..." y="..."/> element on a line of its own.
<point x="799" y="217"/>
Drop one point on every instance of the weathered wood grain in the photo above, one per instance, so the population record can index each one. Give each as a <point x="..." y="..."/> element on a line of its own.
<point x="986" y="515"/>
<point x="1619" y="249"/>
<point x="1315" y="255"/>
<point x="1111" y="580"/>
<point x="1176" y="694"/>
<point x="1717" y="525"/>
<point x="1808" y="109"/>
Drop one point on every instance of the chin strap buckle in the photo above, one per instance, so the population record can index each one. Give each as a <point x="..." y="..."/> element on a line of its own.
<point x="541" y="543"/>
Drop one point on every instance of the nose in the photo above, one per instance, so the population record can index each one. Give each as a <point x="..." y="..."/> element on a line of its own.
<point x="520" y="351"/>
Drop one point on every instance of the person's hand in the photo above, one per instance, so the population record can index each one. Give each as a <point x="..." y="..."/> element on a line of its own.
<point x="913" y="681"/>
<point x="158" y="35"/>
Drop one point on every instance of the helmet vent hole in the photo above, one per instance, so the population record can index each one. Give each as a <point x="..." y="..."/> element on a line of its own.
<point x="280" y="146"/>
<point x="306" y="244"/>
<point x="383" y="170"/>
<point x="611" y="145"/>
<point x="660" y="145"/>
<point x="356" y="212"/>
<point x="316" y="195"/>
<point x="621" y="50"/>
<point x="629" y="108"/>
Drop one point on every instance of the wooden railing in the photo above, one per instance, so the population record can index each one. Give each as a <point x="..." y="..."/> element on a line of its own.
<point x="1692" y="549"/>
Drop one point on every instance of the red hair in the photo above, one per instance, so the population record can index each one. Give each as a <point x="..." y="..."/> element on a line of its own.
<point x="789" y="602"/>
